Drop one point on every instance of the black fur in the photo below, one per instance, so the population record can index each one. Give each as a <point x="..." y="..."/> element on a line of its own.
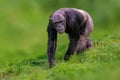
<point x="77" y="24"/>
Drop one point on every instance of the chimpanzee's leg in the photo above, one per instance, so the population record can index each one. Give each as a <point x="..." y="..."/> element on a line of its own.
<point x="81" y="45"/>
<point x="85" y="30"/>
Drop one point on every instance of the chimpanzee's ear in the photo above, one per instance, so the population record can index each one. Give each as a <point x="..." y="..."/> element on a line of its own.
<point x="50" y="19"/>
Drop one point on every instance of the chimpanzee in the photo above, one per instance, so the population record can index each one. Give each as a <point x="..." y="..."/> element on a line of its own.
<point x="77" y="24"/>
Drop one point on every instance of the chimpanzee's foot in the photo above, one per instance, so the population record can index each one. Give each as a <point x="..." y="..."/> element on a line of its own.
<point x="89" y="44"/>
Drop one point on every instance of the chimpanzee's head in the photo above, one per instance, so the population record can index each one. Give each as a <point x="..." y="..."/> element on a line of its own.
<point x="59" y="22"/>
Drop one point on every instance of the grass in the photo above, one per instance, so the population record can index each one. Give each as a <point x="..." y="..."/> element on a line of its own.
<point x="23" y="49"/>
<point x="99" y="63"/>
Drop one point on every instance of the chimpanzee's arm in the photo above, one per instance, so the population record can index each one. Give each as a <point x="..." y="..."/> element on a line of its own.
<point x="71" y="48"/>
<point x="52" y="39"/>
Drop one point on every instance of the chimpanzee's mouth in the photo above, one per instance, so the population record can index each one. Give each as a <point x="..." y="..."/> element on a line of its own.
<point x="60" y="31"/>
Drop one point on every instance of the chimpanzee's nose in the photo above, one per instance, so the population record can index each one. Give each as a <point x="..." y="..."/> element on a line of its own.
<point x="59" y="26"/>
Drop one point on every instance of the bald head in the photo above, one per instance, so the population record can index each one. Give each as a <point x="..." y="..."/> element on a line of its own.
<point x="56" y="17"/>
<point x="59" y="22"/>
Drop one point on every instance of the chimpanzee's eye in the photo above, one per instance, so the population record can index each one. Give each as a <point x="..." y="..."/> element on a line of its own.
<point x="58" y="22"/>
<point x="55" y="23"/>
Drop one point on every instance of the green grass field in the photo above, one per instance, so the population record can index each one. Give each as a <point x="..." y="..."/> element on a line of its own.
<point x="23" y="43"/>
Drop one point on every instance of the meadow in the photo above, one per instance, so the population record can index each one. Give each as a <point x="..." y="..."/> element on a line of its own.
<point x="23" y="43"/>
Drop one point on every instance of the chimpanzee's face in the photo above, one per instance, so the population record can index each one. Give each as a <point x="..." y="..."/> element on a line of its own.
<point x="59" y="22"/>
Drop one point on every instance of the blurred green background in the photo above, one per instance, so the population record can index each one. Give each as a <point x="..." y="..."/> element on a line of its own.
<point x="23" y="37"/>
